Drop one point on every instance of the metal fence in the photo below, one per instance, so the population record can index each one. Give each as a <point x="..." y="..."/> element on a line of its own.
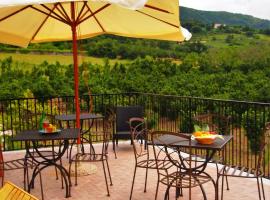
<point x="164" y="112"/>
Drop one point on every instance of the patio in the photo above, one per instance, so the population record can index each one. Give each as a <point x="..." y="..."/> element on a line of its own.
<point x="122" y="168"/>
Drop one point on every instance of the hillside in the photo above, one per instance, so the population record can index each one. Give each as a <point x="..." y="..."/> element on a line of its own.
<point x="209" y="17"/>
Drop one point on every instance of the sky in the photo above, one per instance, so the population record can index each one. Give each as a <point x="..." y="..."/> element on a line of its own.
<point x="256" y="8"/>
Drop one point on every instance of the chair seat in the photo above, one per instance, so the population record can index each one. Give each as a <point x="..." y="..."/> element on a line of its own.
<point x="87" y="157"/>
<point x="181" y="179"/>
<point x="237" y="171"/>
<point x="151" y="164"/>
<point x="44" y="153"/>
<point x="202" y="158"/>
<point x="10" y="191"/>
<point x="18" y="164"/>
<point x="122" y="134"/>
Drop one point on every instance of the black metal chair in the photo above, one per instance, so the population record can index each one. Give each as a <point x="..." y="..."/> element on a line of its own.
<point x="245" y="172"/>
<point x="185" y="173"/>
<point x="143" y="159"/>
<point x="218" y="124"/>
<point x="122" y="116"/>
<point x="97" y="156"/>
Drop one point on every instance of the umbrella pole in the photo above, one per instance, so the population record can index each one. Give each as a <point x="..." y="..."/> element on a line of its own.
<point x="76" y="70"/>
<point x="87" y="168"/>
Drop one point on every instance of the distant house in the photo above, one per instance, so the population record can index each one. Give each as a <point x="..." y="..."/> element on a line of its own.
<point x="216" y="25"/>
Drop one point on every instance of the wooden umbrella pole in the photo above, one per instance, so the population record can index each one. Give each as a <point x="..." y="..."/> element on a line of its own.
<point x="75" y="62"/>
<point x="88" y="168"/>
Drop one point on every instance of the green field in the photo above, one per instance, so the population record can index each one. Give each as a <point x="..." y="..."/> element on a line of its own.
<point x="33" y="59"/>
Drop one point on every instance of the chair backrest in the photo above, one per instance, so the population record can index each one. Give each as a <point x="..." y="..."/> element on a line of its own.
<point x="139" y="137"/>
<point x="11" y="192"/>
<point x="215" y="122"/>
<point x="263" y="142"/>
<point x="124" y="113"/>
<point x="165" y="148"/>
<point x="108" y="123"/>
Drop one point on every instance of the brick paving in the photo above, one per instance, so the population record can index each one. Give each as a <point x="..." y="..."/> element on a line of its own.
<point x="92" y="187"/>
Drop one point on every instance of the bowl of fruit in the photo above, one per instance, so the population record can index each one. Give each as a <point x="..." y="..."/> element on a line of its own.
<point x="206" y="137"/>
<point x="50" y="128"/>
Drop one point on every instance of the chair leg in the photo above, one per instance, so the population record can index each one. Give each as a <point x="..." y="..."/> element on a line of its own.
<point x="167" y="193"/>
<point x="109" y="172"/>
<point x="157" y="188"/>
<point x="259" y="190"/>
<point x="130" y="197"/>
<point x="202" y="189"/>
<point x="145" y="182"/>
<point x="62" y="182"/>
<point x="105" y="176"/>
<point x="222" y="186"/>
<point x="262" y="188"/>
<point x="41" y="186"/>
<point x="166" y="196"/>
<point x="217" y="187"/>
<point x="69" y="170"/>
<point x="227" y="183"/>
<point x="114" y="150"/>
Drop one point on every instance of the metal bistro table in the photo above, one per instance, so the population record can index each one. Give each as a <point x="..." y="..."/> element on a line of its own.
<point x="211" y="149"/>
<point x="34" y="137"/>
<point x="85" y="116"/>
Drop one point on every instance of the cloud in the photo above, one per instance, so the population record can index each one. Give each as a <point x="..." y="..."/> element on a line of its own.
<point x="257" y="8"/>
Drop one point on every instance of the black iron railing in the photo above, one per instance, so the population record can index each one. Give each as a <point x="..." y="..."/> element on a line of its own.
<point x="163" y="112"/>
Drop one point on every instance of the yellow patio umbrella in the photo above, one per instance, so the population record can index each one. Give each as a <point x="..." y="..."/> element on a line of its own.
<point x="30" y="21"/>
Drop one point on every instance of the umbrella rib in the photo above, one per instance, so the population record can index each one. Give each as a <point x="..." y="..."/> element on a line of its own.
<point x="45" y="13"/>
<point x="82" y="16"/>
<point x="81" y="11"/>
<point x="64" y="14"/>
<point x="96" y="19"/>
<point x="60" y="17"/>
<point x="61" y="6"/>
<point x="156" y="8"/>
<point x="14" y="13"/>
<point x="92" y="14"/>
<point x="176" y="26"/>
<point x="42" y="23"/>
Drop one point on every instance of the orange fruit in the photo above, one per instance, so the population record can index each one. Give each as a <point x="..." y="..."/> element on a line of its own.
<point x="197" y="134"/>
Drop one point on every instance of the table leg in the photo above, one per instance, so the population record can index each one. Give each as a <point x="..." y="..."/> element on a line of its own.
<point x="47" y="162"/>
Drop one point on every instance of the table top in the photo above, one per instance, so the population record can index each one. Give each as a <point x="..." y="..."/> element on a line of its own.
<point x="35" y="135"/>
<point x="179" y="142"/>
<point x="72" y="117"/>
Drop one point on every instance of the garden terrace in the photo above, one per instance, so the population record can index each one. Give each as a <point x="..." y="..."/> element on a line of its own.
<point x="164" y="112"/>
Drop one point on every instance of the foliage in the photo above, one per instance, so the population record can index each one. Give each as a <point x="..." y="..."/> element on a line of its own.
<point x="209" y="17"/>
<point x="254" y="124"/>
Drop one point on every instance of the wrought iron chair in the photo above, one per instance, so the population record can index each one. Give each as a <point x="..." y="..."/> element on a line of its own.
<point x="122" y="116"/>
<point x="185" y="173"/>
<point x="218" y="124"/>
<point x="95" y="156"/>
<point x="10" y="191"/>
<point x="245" y="172"/>
<point x="17" y="164"/>
<point x="139" y="138"/>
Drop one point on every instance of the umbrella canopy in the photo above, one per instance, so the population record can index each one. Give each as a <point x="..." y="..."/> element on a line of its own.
<point x="28" y="21"/>
<point x="24" y="23"/>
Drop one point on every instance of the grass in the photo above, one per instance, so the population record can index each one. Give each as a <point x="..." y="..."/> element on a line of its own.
<point x="218" y="40"/>
<point x="34" y="59"/>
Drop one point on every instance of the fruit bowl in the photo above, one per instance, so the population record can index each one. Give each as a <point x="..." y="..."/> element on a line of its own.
<point x="205" y="139"/>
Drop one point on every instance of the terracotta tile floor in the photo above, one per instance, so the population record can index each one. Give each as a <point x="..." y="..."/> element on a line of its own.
<point x="92" y="187"/>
